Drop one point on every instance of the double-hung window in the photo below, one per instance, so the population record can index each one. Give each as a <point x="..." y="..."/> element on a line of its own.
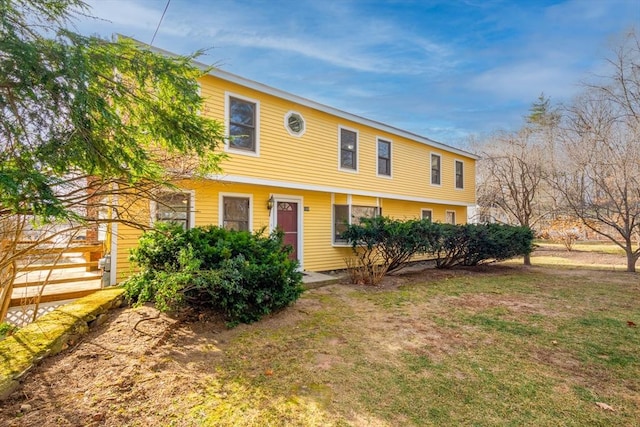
<point x="236" y="213"/>
<point x="436" y="169"/>
<point x="384" y="157"/>
<point x="459" y="174"/>
<point x="173" y="207"/>
<point x="348" y="149"/>
<point x="427" y="214"/>
<point x="450" y="217"/>
<point x="344" y="215"/>
<point x="243" y="125"/>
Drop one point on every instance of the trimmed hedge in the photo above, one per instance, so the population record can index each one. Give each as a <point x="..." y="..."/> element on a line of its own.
<point x="243" y="275"/>
<point x="391" y="243"/>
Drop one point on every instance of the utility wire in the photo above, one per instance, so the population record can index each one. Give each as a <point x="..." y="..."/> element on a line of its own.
<point x="160" y="22"/>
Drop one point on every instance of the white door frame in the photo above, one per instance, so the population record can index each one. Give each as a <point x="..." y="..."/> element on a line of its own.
<point x="273" y="220"/>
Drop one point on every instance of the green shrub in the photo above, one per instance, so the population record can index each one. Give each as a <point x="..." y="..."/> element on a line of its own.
<point x="473" y="244"/>
<point x="243" y="275"/>
<point x="383" y="245"/>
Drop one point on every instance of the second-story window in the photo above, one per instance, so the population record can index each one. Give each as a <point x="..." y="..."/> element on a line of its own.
<point x="242" y="125"/>
<point x="459" y="174"/>
<point x="384" y="157"/>
<point x="348" y="149"/>
<point x="435" y="169"/>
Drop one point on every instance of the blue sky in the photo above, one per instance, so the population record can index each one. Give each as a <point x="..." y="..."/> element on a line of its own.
<point x="445" y="69"/>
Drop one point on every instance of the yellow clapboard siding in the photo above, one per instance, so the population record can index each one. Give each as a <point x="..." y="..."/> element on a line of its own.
<point x="281" y="154"/>
<point x="319" y="252"/>
<point x="313" y="160"/>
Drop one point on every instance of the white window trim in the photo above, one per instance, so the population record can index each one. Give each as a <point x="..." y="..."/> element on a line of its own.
<point x="272" y="221"/>
<point x="286" y="123"/>
<point x="431" y="168"/>
<point x="221" y="197"/>
<point x="422" y="211"/>
<point x="153" y="208"/>
<point x="390" y="176"/>
<point x="340" y="168"/>
<point x="455" y="181"/>
<point x="227" y="105"/>
<point x="455" y="220"/>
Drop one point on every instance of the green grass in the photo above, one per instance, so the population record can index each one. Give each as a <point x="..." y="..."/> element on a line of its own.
<point x="588" y="246"/>
<point x="504" y="346"/>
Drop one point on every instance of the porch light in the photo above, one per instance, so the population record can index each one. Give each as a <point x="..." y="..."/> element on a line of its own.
<point x="270" y="203"/>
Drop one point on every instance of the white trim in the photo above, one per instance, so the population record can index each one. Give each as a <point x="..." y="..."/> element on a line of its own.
<point x="431" y="169"/>
<point x="340" y="168"/>
<point x="423" y="210"/>
<point x="238" y="179"/>
<point x="113" y="276"/>
<point x="222" y="195"/>
<point x="455" y="220"/>
<point x="455" y="182"/>
<point x="273" y="220"/>
<point x="390" y="176"/>
<point x="260" y="87"/>
<point x="227" y="112"/>
<point x="286" y="123"/>
<point x="192" y="205"/>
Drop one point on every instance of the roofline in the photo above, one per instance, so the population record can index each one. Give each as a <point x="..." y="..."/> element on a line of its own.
<point x="260" y="87"/>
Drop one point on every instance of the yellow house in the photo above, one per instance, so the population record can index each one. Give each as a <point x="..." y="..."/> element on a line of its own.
<point x="308" y="168"/>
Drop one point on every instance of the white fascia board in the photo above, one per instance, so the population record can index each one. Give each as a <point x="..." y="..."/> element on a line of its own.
<point x="238" y="179"/>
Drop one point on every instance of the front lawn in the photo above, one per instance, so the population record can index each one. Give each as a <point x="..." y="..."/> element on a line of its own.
<point x="501" y="346"/>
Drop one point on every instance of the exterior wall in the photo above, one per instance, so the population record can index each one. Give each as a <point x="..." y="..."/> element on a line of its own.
<point x="307" y="168"/>
<point x="313" y="158"/>
<point x="319" y="252"/>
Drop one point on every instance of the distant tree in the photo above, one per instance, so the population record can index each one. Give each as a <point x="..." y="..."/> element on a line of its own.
<point x="542" y="114"/>
<point x="600" y="177"/>
<point x="512" y="173"/>
<point x="84" y="121"/>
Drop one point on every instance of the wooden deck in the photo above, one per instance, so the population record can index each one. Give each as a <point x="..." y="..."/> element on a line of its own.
<point x="75" y="274"/>
<point x="64" y="284"/>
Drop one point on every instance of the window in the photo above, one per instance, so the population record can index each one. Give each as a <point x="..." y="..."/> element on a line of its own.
<point x="427" y="214"/>
<point x="348" y="149"/>
<point x="235" y="213"/>
<point x="343" y="215"/>
<point x="384" y="157"/>
<point x="459" y="174"/>
<point x="451" y="217"/>
<point x="435" y="169"/>
<point x="173" y="207"/>
<point x="294" y="123"/>
<point x="242" y="125"/>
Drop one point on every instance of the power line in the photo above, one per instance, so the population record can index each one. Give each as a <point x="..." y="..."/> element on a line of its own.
<point x="160" y="22"/>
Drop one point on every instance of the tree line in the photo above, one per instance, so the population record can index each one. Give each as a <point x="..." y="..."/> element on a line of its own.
<point x="580" y="160"/>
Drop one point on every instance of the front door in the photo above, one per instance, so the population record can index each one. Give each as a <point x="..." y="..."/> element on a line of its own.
<point x="287" y="221"/>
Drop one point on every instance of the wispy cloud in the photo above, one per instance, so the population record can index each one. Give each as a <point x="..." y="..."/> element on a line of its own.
<point x="442" y="67"/>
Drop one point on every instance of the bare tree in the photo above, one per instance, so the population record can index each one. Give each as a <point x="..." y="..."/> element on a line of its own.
<point x="600" y="175"/>
<point x="512" y="173"/>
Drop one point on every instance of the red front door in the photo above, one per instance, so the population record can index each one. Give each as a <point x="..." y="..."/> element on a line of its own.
<point x="287" y="221"/>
